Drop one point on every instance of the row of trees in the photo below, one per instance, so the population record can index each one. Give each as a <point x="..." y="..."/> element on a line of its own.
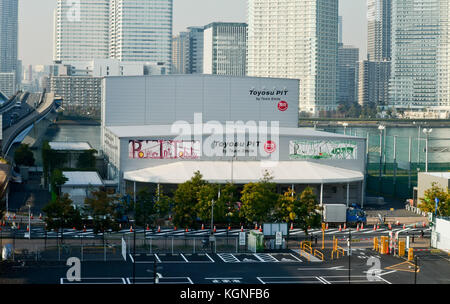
<point x="191" y="205"/>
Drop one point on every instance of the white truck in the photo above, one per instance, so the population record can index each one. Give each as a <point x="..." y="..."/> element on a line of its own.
<point x="334" y="213"/>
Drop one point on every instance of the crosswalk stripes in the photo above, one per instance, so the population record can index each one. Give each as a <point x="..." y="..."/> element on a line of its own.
<point x="264" y="257"/>
<point x="228" y="258"/>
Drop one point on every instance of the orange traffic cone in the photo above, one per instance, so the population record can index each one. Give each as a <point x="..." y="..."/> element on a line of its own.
<point x="242" y="229"/>
<point x="74" y="228"/>
<point x="256" y="227"/>
<point x="292" y="226"/>
<point x="374" y="227"/>
<point x="424" y="225"/>
<point x="362" y="226"/>
<point x="175" y="228"/>
<point x="148" y="228"/>
<point x="229" y="227"/>
<point x="326" y="227"/>
<point x="404" y="226"/>
<point x="345" y="226"/>
<point x="340" y="229"/>
<point x="159" y="228"/>
<point x="389" y="226"/>
<point x="203" y="226"/>
<point x="84" y="228"/>
<point x="214" y="228"/>
<point x="28" y="228"/>
<point x="31" y="216"/>
<point x="14" y="216"/>
<point x="415" y="226"/>
<point x="131" y="228"/>
<point x="187" y="230"/>
<point x="357" y="227"/>
<point x="40" y="216"/>
<point x="260" y="228"/>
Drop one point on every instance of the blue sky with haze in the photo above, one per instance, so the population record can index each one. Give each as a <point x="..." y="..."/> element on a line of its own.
<point x="36" y="23"/>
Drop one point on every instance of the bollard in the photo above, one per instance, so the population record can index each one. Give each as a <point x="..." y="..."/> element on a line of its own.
<point x="401" y="248"/>
<point x="375" y="243"/>
<point x="410" y="254"/>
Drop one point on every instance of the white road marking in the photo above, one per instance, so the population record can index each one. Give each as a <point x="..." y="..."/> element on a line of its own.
<point x="184" y="257"/>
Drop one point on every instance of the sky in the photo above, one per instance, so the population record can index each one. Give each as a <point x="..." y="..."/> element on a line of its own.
<point x="36" y="23"/>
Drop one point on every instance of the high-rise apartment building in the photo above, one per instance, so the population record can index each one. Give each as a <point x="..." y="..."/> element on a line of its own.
<point x="141" y="30"/>
<point x="347" y="78"/>
<point x="418" y="46"/>
<point x="296" y="39"/>
<point x="180" y="53"/>
<point x="8" y="83"/>
<point x="373" y="82"/>
<point x="379" y="30"/>
<point x="225" y="48"/>
<point x="8" y="43"/>
<point x="195" y="58"/>
<point x="81" y="30"/>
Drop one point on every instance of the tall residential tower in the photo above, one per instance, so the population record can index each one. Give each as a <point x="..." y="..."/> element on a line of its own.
<point x="296" y="39"/>
<point x="141" y="30"/>
<point x="81" y="30"/>
<point x="8" y="45"/>
<point x="225" y="48"/>
<point x="419" y="53"/>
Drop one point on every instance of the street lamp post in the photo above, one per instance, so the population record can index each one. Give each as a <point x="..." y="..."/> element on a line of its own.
<point x="381" y="128"/>
<point x="29" y="221"/>
<point x="349" y="254"/>
<point x="345" y="125"/>
<point x="427" y="133"/>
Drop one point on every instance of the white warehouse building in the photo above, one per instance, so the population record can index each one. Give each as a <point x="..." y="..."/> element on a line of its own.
<point x="161" y="129"/>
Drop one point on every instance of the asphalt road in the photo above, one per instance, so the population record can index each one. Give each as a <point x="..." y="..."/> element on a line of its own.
<point x="287" y="268"/>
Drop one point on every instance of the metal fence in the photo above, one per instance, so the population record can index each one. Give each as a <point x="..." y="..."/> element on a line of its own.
<point x="109" y="247"/>
<point x="397" y="155"/>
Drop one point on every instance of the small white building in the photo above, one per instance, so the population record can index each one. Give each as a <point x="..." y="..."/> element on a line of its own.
<point x="80" y="184"/>
<point x="440" y="236"/>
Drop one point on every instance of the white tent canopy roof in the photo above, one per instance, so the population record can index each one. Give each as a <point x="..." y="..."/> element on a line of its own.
<point x="284" y="172"/>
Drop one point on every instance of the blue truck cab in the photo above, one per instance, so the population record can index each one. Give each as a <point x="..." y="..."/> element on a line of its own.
<point x="355" y="215"/>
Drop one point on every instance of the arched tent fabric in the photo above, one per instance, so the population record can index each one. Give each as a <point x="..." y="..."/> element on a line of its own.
<point x="240" y="172"/>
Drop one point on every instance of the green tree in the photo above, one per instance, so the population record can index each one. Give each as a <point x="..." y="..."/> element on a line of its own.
<point x="229" y="200"/>
<point x="185" y="200"/>
<point x="145" y="208"/>
<point x="308" y="216"/>
<point x="206" y="195"/>
<point x="57" y="180"/>
<point x="23" y="156"/>
<point x="298" y="209"/>
<point x="102" y="207"/>
<point x="163" y="203"/>
<point x="61" y="213"/>
<point x="258" y="199"/>
<point x="51" y="160"/>
<point x="428" y="203"/>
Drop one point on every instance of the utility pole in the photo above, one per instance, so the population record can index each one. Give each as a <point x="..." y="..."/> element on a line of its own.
<point x="349" y="254"/>
<point x="415" y="270"/>
<point x="134" y="254"/>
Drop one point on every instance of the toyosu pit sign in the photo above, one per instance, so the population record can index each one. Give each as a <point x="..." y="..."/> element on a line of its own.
<point x="163" y="149"/>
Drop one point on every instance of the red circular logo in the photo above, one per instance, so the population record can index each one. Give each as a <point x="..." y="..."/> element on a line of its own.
<point x="269" y="146"/>
<point x="282" y="106"/>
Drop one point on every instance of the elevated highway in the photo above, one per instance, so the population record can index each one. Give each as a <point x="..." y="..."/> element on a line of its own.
<point x="44" y="103"/>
